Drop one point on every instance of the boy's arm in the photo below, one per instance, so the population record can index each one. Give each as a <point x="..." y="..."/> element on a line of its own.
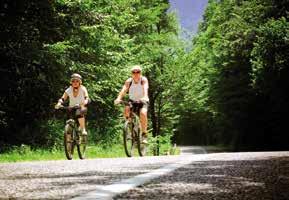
<point x="61" y="100"/>
<point x="86" y="97"/>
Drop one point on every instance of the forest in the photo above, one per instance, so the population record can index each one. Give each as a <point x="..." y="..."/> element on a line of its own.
<point x="227" y="88"/>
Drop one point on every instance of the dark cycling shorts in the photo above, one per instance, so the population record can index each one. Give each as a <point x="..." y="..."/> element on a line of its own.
<point x="140" y="105"/>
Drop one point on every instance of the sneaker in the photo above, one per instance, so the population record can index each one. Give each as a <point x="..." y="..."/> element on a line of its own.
<point x="84" y="132"/>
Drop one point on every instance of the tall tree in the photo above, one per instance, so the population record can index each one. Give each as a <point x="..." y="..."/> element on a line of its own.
<point x="45" y="41"/>
<point x="26" y="69"/>
<point x="224" y="65"/>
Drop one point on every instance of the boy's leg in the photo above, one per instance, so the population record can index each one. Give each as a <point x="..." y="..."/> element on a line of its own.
<point x="81" y="113"/>
<point x="82" y="125"/>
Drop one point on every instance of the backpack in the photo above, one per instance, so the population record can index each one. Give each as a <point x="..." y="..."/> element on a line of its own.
<point x="141" y="82"/>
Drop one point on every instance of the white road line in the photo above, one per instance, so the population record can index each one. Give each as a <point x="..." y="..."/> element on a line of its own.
<point x="107" y="192"/>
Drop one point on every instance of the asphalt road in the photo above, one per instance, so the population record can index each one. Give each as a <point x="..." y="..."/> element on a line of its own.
<point x="222" y="176"/>
<point x="250" y="175"/>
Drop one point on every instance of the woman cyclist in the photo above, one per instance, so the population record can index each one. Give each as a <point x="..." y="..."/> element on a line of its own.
<point x="137" y="89"/>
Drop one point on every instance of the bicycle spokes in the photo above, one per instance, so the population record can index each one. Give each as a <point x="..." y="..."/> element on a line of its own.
<point x="132" y="137"/>
<point x="81" y="145"/>
<point x="72" y="137"/>
<point x="68" y="142"/>
<point x="128" y="139"/>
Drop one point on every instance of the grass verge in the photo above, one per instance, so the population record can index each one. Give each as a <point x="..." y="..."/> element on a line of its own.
<point x="25" y="153"/>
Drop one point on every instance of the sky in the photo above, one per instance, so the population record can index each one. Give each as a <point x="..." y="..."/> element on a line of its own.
<point x="189" y="11"/>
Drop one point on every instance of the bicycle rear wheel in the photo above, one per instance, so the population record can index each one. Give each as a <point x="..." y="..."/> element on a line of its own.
<point x="68" y="141"/>
<point x="128" y="141"/>
<point x="81" y="146"/>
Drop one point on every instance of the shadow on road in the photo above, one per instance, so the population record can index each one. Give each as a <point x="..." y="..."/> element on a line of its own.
<point x="221" y="180"/>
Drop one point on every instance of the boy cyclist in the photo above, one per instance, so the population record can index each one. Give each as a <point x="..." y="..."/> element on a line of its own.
<point x="78" y="96"/>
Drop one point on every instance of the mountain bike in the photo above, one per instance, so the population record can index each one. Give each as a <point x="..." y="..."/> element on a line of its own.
<point x="72" y="134"/>
<point x="132" y="133"/>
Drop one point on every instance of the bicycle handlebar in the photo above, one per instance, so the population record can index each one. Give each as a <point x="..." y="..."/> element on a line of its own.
<point x="129" y="102"/>
<point x="62" y="107"/>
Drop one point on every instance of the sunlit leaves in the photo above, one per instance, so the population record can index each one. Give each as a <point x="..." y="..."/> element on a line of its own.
<point x="239" y="45"/>
<point x="270" y="54"/>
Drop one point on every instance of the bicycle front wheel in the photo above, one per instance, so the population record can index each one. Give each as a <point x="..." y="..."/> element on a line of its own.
<point x="68" y="141"/>
<point x="81" y="146"/>
<point x="128" y="139"/>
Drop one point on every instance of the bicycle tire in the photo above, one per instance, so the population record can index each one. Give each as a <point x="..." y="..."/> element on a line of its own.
<point x="68" y="142"/>
<point x="81" y="146"/>
<point x="128" y="141"/>
<point x="138" y="134"/>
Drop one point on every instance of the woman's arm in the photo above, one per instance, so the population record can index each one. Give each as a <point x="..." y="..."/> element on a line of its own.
<point x="146" y="88"/>
<point x="123" y="91"/>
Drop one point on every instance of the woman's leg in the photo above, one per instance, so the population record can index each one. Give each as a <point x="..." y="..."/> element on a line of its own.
<point x="143" y="120"/>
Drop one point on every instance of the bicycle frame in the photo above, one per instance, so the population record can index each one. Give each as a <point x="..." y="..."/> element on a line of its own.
<point x="72" y="121"/>
<point x="72" y="136"/>
<point x="132" y="134"/>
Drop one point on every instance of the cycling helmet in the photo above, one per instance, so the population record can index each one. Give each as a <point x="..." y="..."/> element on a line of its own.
<point x="136" y="68"/>
<point x="76" y="76"/>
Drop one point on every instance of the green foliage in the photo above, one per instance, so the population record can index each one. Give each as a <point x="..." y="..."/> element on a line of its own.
<point x="162" y="144"/>
<point x="26" y="153"/>
<point x="270" y="82"/>
<point x="268" y="57"/>
<point x="44" y="42"/>
<point x="232" y="81"/>
<point x="53" y="133"/>
<point x="27" y="69"/>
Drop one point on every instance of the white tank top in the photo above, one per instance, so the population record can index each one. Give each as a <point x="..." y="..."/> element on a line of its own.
<point x="136" y="90"/>
<point x="79" y="98"/>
